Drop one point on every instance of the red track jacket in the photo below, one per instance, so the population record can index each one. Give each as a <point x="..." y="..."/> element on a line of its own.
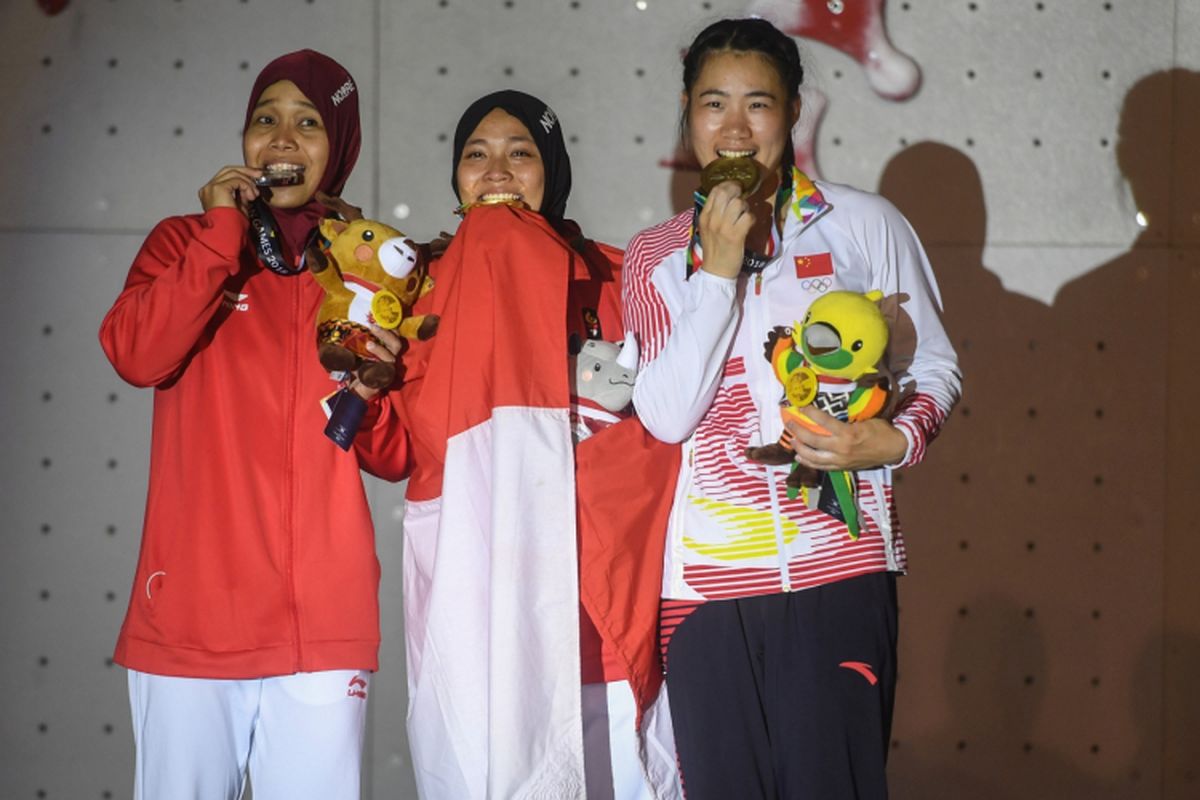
<point x="257" y="554"/>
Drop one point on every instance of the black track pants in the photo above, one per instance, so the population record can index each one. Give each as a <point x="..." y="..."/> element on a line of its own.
<point x="788" y="695"/>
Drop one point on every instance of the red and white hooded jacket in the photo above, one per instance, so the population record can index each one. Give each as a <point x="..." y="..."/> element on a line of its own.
<point x="704" y="381"/>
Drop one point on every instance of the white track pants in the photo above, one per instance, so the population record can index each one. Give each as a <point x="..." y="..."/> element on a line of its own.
<point x="610" y="745"/>
<point x="299" y="735"/>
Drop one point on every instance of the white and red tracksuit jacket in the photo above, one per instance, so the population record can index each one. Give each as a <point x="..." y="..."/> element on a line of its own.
<point x="705" y="382"/>
<point x="258" y="551"/>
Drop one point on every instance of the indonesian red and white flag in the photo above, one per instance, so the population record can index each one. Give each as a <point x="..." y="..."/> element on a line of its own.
<point x="491" y="591"/>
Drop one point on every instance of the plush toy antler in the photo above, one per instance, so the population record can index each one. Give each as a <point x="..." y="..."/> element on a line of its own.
<point x="340" y="207"/>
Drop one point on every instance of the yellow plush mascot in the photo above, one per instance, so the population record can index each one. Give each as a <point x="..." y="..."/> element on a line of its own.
<point x="829" y="360"/>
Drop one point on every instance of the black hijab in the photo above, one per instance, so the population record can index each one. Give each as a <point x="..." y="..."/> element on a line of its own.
<point x="547" y="135"/>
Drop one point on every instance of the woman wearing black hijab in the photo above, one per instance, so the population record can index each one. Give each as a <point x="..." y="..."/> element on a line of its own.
<point x="517" y="120"/>
<point x="497" y="639"/>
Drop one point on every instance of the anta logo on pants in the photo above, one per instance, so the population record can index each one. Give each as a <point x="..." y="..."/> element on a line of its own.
<point x="861" y="668"/>
<point x="357" y="688"/>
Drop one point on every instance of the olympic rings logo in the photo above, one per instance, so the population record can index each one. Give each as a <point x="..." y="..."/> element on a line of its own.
<point x="816" y="284"/>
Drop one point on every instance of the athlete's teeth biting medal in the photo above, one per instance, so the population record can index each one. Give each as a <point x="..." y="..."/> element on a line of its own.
<point x="281" y="175"/>
<point x="499" y="199"/>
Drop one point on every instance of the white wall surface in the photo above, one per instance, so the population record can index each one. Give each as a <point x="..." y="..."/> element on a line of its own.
<point x="115" y="112"/>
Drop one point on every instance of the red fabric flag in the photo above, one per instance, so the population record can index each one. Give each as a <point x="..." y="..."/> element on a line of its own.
<point x="491" y="595"/>
<point x="625" y="481"/>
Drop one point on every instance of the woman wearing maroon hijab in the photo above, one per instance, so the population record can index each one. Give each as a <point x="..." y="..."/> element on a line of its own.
<point x="252" y="627"/>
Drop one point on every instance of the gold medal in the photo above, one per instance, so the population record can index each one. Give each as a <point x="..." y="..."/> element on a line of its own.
<point x="741" y="170"/>
<point x="386" y="309"/>
<point x="801" y="387"/>
<point x="492" y="200"/>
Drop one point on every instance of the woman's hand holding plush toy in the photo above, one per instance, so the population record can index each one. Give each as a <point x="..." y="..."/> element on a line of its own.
<point x="387" y="352"/>
<point x="865" y="444"/>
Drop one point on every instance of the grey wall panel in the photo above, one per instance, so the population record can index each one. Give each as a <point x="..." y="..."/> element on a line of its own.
<point x="1187" y="35"/>
<point x="609" y="70"/>
<point x="76" y="451"/>
<point x="127" y="107"/>
<point x="117" y="111"/>
<point x="388" y="766"/>
<point x="1031" y="92"/>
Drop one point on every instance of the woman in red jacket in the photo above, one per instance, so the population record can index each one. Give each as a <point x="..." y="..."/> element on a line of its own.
<point x="252" y="627"/>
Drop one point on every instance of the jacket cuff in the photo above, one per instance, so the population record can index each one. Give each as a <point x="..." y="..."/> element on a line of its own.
<point x="916" y="443"/>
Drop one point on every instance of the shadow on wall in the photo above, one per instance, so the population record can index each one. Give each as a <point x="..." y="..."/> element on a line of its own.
<point x="997" y="703"/>
<point x="1183" y="767"/>
<point x="1036" y="526"/>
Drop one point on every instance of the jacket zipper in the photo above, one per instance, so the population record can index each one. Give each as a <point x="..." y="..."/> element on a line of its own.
<point x="772" y="490"/>
<point x="756" y="377"/>
<point x="678" y="585"/>
<point x="289" y="466"/>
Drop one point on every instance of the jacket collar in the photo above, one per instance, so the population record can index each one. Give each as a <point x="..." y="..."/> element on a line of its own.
<point x="807" y="201"/>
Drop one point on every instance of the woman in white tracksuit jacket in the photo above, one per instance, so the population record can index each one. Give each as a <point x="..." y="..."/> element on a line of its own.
<point x="778" y="626"/>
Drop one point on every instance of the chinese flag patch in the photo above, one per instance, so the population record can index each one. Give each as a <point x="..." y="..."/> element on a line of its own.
<point x="814" y="266"/>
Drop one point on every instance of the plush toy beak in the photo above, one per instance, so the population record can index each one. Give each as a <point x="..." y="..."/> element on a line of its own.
<point x="821" y="338"/>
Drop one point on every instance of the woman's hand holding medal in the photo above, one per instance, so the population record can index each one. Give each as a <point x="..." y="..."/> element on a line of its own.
<point x="237" y="186"/>
<point x="726" y="220"/>
<point x="231" y="187"/>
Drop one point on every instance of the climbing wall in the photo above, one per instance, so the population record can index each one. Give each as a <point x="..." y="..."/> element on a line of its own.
<point x="1046" y="153"/>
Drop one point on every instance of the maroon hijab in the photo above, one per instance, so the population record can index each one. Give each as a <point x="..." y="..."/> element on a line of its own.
<point x="335" y="94"/>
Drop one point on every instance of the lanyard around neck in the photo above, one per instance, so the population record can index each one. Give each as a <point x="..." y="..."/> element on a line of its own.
<point x="267" y="242"/>
<point x="752" y="263"/>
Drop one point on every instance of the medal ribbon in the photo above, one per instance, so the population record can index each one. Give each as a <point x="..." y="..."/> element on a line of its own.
<point x="265" y="233"/>
<point x="752" y="262"/>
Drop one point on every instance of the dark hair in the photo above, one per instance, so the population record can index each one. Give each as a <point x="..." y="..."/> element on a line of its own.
<point x="746" y="35"/>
